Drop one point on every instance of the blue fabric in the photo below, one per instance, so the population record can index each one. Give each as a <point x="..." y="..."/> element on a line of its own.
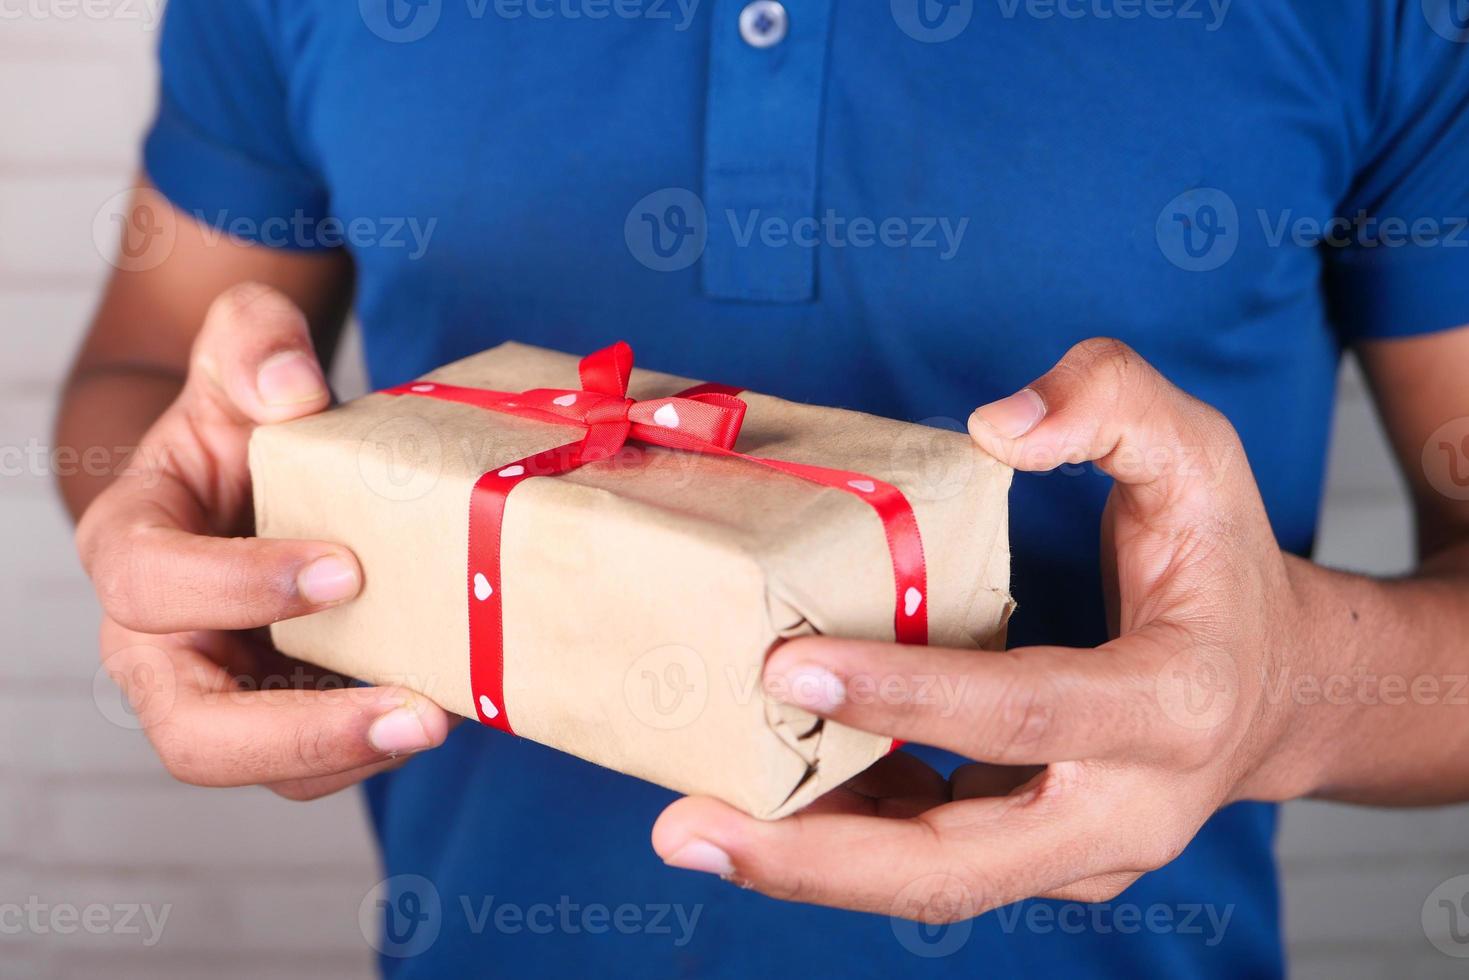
<point x="909" y="209"/>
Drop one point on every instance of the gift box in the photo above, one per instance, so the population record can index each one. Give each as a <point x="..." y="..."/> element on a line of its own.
<point x="600" y="558"/>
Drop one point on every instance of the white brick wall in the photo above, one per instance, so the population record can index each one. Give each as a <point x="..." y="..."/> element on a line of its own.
<point x="258" y="886"/>
<point x="1356" y="879"/>
<point x="255" y="885"/>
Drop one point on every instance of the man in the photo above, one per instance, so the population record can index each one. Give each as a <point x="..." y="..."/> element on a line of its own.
<point x="908" y="208"/>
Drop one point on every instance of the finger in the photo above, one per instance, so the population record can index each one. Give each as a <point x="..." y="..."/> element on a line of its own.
<point x="253" y="361"/>
<point x="978" y="779"/>
<point x="1090" y="891"/>
<point x="1102" y="402"/>
<point x="248" y="738"/>
<point x="953" y="862"/>
<point x="897" y="785"/>
<point x="209" y="732"/>
<point x="153" y="576"/>
<point x="1025" y="707"/>
<point x="156" y="570"/>
<point x="316" y="787"/>
<point x="898" y="775"/>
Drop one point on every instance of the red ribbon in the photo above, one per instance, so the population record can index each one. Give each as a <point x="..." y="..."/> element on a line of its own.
<point x="703" y="419"/>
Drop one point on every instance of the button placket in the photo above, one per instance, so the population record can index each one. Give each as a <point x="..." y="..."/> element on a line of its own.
<point x="762" y="141"/>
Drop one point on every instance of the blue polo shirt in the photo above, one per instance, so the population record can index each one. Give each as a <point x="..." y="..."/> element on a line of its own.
<point x="909" y="208"/>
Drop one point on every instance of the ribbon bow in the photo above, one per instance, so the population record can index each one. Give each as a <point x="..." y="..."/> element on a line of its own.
<point x="705" y="418"/>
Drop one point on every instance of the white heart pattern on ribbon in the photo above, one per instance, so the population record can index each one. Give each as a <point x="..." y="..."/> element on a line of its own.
<point x="912" y="599"/>
<point x="487" y="707"/>
<point x="866" y="486"/>
<point x="667" y="416"/>
<point x="482" y="587"/>
<point x="509" y="471"/>
<point x="422" y="388"/>
<point x="565" y="401"/>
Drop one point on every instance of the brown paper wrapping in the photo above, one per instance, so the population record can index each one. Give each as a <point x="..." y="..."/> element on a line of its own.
<point x="640" y="593"/>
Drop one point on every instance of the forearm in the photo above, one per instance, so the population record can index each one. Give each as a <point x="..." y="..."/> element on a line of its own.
<point x="1379" y="685"/>
<point x="103" y="414"/>
<point x="133" y="362"/>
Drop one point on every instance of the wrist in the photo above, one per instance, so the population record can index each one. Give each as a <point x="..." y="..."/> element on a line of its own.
<point x="1301" y="713"/>
<point x="1321" y="678"/>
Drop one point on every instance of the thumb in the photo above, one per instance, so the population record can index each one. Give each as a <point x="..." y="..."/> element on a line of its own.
<point x="1103" y="403"/>
<point x="253" y="360"/>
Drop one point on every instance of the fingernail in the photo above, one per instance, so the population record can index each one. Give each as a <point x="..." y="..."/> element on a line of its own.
<point x="289" y="378"/>
<point x="811" y="687"/>
<point x="329" y="579"/>
<point x="1014" y="416"/>
<point x="398" y="732"/>
<point x="699" y="855"/>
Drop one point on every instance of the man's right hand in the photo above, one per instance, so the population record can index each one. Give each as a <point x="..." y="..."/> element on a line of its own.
<point x="184" y="591"/>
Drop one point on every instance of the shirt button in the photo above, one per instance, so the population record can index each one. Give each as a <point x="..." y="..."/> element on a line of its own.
<point x="763" y="23"/>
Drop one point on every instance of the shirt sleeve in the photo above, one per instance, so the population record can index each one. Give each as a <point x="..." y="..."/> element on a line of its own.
<point x="222" y="147"/>
<point x="1397" y="262"/>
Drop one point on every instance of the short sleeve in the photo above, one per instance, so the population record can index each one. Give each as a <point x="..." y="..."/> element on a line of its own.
<point x="1397" y="259"/>
<point x="221" y="147"/>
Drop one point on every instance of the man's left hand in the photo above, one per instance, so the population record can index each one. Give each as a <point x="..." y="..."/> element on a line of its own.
<point x="1096" y="765"/>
